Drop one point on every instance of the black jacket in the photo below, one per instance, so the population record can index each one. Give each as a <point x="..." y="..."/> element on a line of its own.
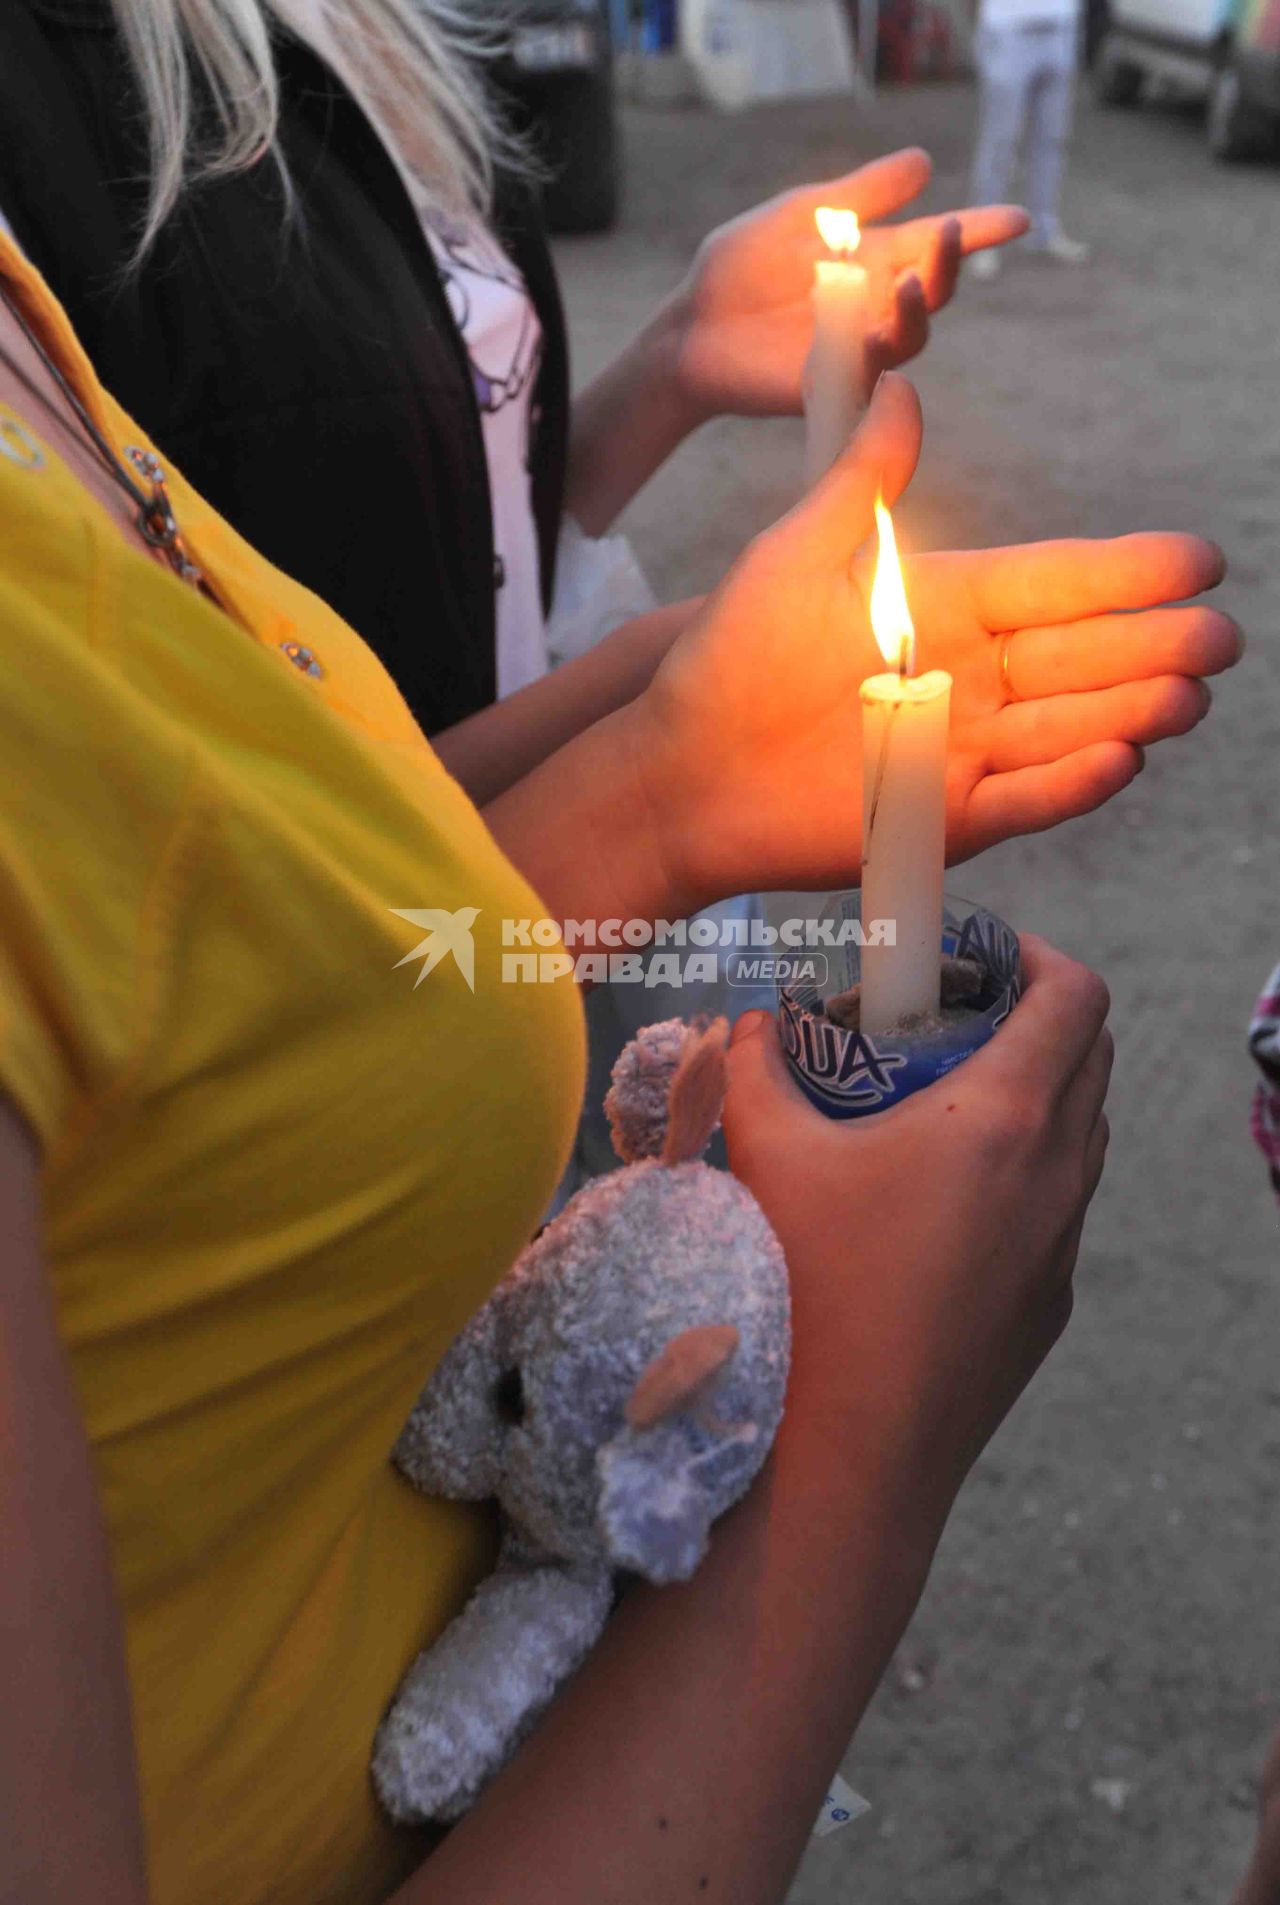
<point x="304" y="373"/>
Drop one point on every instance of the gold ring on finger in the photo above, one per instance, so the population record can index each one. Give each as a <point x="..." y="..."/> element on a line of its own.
<point x="1007" y="687"/>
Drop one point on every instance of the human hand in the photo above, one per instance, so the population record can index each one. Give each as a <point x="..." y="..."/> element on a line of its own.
<point x="747" y="744"/>
<point x="931" y="1247"/>
<point x="742" y="322"/>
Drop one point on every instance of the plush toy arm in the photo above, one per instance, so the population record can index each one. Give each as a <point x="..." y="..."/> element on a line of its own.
<point x="467" y="1702"/>
<point x="452" y="1443"/>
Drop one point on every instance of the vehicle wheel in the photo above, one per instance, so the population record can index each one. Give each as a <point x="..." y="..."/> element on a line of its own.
<point x="582" y="191"/>
<point x="1116" y="80"/>
<point x="1238" y="131"/>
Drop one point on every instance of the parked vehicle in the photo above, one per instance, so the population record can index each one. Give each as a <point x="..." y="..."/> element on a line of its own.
<point x="1224" y="51"/>
<point x="558" y="71"/>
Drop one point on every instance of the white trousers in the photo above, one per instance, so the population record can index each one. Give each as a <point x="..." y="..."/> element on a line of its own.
<point x="1026" y="90"/>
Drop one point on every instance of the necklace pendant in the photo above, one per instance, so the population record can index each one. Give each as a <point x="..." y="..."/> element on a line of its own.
<point x="155" y="518"/>
<point x="149" y="465"/>
<point x="158" y="524"/>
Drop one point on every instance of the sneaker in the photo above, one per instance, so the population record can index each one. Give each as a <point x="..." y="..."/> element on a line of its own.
<point x="984" y="266"/>
<point x="1063" y="250"/>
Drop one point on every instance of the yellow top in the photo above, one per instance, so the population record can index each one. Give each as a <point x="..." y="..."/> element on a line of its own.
<point x="277" y="1176"/>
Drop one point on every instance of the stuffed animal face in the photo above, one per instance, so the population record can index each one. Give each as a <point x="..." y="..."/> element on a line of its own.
<point x="635" y="1411"/>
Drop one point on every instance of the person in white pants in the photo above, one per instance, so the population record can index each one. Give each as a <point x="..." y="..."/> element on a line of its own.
<point x="1025" y="52"/>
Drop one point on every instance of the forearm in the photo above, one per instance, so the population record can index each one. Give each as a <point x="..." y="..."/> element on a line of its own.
<point x="626" y="423"/>
<point x="492" y="750"/>
<point x="689" y="1756"/>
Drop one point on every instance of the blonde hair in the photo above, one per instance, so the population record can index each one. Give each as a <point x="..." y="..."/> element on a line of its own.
<point x="413" y="60"/>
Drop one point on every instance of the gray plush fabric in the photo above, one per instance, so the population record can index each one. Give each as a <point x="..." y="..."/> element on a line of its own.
<point x="528" y="1406"/>
<point x="467" y="1702"/>
<point x="636" y="1103"/>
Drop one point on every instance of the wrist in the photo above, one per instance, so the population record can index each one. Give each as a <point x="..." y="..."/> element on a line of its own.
<point x="662" y="357"/>
<point x="628" y="421"/>
<point x="589" y="828"/>
<point x="661" y="809"/>
<point x="663" y="772"/>
<point x="667" y="338"/>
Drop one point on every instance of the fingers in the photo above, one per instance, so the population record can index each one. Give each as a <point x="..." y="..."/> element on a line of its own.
<point x="1092" y="1167"/>
<point x="875" y="190"/>
<point x="1082" y="1106"/>
<point x="980" y="227"/>
<point x="1095" y="1156"/>
<point x="1033" y="733"/>
<point x="1033" y="798"/>
<point x="1052" y="1030"/>
<point x="906" y="334"/>
<point x="837" y="515"/>
<point x="761" y="1088"/>
<point x="1041" y="584"/>
<point x="940" y="266"/>
<point x="1108" y="650"/>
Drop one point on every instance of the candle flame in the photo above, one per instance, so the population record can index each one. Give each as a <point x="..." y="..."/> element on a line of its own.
<point x="838" y="229"/>
<point x="891" y="622"/>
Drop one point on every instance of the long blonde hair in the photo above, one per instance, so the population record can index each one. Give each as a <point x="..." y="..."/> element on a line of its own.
<point x="414" y="58"/>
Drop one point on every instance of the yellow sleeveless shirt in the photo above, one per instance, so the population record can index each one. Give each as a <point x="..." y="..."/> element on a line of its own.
<point x="278" y="1175"/>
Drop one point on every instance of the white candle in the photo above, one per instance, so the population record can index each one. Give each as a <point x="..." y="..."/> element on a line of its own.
<point x="904" y="771"/>
<point x="835" y="376"/>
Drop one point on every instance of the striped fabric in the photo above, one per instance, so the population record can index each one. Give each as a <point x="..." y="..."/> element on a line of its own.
<point x="1264" y="1043"/>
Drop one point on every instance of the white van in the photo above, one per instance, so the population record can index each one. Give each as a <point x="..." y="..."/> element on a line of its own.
<point x="1224" y="51"/>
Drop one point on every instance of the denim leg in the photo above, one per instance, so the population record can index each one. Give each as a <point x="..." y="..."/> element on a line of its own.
<point x="1003" y="84"/>
<point x="1052" y="99"/>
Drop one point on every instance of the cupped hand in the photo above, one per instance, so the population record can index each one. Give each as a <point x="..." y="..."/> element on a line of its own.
<point x="1068" y="658"/>
<point x="743" y="319"/>
<point x="931" y="1247"/>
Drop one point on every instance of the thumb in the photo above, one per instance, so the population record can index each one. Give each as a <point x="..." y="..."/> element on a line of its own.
<point x="763" y="1098"/>
<point x="838" y="514"/>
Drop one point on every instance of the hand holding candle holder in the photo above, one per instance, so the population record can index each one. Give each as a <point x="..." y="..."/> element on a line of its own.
<point x="927" y="985"/>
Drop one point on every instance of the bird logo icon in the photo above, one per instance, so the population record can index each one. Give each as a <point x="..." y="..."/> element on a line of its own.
<point x="446" y="933"/>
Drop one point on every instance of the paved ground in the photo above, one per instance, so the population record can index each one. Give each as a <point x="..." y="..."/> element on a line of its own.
<point x="1080" y="1706"/>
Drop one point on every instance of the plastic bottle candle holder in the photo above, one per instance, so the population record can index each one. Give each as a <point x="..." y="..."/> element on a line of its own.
<point x="848" y="1074"/>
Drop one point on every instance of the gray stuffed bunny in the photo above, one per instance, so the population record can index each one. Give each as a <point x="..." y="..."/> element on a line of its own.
<point x="619" y="1391"/>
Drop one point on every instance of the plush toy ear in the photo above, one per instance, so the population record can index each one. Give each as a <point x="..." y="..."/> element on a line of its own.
<point x="680" y="1374"/>
<point x="452" y="1442"/>
<point x="697" y="1094"/>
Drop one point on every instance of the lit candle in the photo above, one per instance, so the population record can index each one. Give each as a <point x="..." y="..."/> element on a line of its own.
<point x="904" y="769"/>
<point x="835" y="377"/>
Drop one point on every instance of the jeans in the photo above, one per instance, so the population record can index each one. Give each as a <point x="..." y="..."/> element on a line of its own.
<point x="1026" y="84"/>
